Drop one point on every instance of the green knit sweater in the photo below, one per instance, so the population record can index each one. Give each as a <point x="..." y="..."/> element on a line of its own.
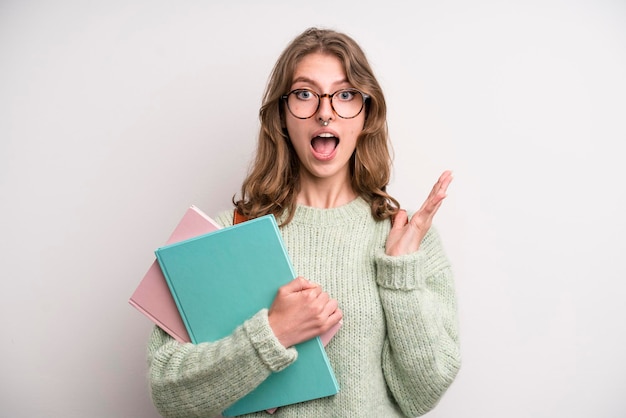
<point x="395" y="355"/>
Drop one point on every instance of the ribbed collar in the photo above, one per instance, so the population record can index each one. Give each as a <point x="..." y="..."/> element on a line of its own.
<point x="307" y="215"/>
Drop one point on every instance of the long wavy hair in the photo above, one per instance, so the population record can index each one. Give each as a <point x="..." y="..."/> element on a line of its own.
<point x="272" y="183"/>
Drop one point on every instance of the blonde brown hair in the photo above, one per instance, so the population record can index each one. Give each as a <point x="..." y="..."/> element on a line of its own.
<point x="272" y="184"/>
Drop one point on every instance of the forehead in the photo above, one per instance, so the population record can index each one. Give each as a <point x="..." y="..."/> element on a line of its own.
<point x="319" y="68"/>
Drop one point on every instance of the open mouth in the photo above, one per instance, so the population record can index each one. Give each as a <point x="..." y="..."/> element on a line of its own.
<point x="324" y="144"/>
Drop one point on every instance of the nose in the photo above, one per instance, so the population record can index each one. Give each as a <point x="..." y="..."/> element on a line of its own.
<point x="325" y="111"/>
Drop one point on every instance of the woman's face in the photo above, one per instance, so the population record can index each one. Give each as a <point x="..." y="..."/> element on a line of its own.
<point x="324" y="151"/>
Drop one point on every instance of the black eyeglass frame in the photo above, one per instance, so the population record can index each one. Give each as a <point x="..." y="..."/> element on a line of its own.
<point x="285" y="97"/>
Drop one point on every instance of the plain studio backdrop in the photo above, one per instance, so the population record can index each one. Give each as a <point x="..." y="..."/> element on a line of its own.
<point x="116" y="116"/>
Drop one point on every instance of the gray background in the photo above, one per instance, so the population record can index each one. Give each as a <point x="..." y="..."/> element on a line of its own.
<point x="116" y="116"/>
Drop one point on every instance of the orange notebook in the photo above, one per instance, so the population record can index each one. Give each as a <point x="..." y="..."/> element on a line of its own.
<point x="152" y="297"/>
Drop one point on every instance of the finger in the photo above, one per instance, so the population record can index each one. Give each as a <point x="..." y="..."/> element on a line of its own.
<point x="441" y="186"/>
<point x="428" y="210"/>
<point x="434" y="210"/>
<point x="336" y="316"/>
<point x="313" y="293"/>
<point x="435" y="201"/>
<point x="438" y="192"/>
<point x="298" y="284"/>
<point x="331" y="306"/>
<point x="447" y="174"/>
<point x="445" y="180"/>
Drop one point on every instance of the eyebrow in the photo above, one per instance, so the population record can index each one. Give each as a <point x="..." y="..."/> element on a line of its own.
<point x="310" y="81"/>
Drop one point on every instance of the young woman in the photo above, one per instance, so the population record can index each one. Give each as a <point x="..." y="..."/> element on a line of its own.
<point x="321" y="168"/>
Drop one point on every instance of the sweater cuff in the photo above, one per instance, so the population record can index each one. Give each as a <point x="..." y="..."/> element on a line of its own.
<point x="270" y="350"/>
<point x="402" y="272"/>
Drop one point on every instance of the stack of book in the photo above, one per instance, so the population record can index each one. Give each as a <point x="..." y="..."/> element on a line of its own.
<point x="208" y="280"/>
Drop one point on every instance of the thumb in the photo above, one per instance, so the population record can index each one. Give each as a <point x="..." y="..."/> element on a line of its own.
<point x="400" y="219"/>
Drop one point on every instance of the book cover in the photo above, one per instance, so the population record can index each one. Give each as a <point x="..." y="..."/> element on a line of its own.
<point x="220" y="279"/>
<point x="152" y="296"/>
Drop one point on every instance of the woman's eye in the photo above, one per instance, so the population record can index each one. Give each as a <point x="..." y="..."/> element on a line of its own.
<point x="304" y="94"/>
<point x="346" y="95"/>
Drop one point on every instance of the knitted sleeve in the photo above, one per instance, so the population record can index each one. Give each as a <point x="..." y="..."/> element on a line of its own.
<point x="202" y="380"/>
<point x="421" y="355"/>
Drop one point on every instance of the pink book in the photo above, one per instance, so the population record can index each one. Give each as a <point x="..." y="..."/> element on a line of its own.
<point x="152" y="297"/>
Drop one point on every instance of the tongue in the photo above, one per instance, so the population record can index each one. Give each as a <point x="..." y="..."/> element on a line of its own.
<point x="324" y="145"/>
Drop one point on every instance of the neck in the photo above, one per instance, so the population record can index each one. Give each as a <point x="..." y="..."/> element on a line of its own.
<point x="325" y="194"/>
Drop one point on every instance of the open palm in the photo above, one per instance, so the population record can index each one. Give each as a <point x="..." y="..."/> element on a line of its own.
<point x="406" y="235"/>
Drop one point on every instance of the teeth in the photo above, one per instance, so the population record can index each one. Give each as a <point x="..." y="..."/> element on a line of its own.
<point x="326" y="135"/>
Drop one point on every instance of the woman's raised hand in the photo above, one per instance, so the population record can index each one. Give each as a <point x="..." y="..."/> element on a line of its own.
<point x="405" y="236"/>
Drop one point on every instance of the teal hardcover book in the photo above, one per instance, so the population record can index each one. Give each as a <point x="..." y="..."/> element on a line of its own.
<point x="220" y="279"/>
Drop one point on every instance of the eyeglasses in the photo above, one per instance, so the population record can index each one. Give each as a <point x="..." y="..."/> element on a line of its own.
<point x="346" y="103"/>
